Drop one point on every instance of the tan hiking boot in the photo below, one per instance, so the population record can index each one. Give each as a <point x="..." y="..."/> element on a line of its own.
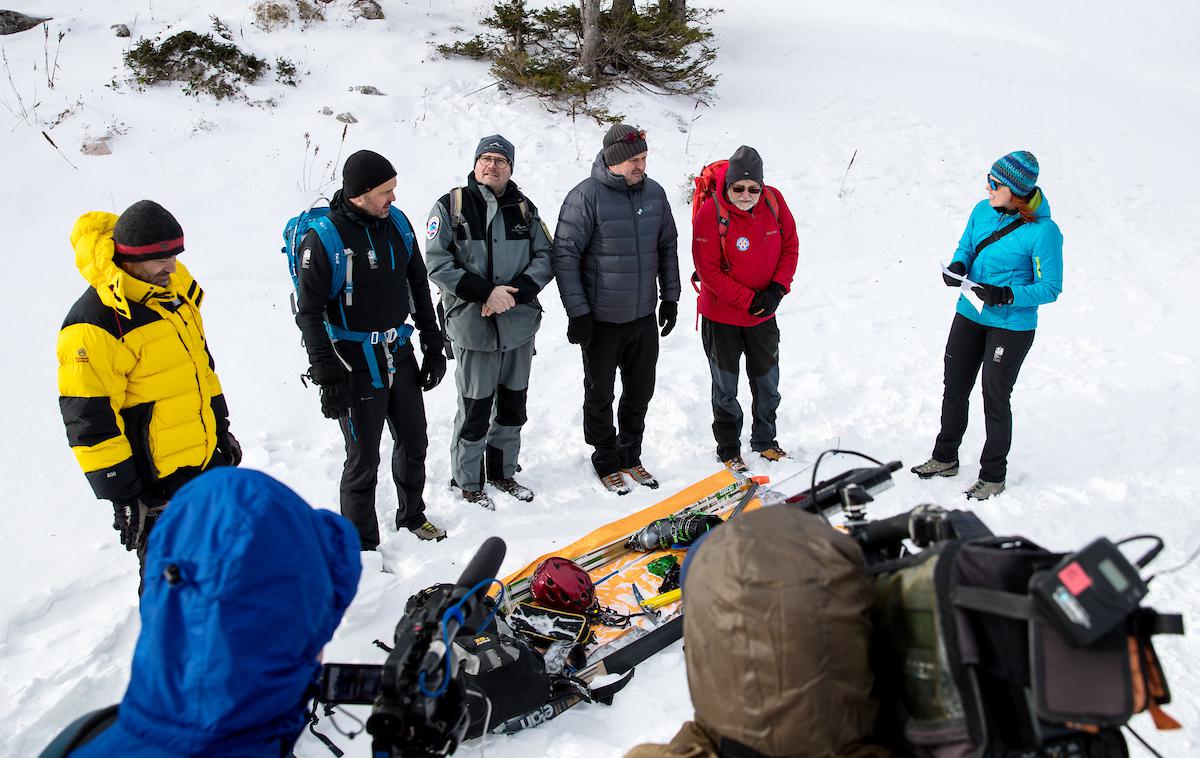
<point x="933" y="467"/>
<point x="615" y="482"/>
<point x="643" y="477"/>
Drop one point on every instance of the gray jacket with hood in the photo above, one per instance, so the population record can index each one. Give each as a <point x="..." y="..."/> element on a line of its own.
<point x="496" y="244"/>
<point x="615" y="248"/>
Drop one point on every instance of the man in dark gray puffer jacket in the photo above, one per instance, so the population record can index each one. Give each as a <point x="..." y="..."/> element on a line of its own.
<point x="615" y="259"/>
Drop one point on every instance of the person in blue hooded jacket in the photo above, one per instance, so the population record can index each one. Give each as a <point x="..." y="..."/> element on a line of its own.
<point x="245" y="583"/>
<point x="1012" y="251"/>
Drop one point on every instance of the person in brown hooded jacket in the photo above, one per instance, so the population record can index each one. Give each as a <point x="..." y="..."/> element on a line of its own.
<point x="777" y="630"/>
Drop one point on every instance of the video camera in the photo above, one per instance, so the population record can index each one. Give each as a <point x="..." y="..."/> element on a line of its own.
<point x="849" y="493"/>
<point x="419" y="706"/>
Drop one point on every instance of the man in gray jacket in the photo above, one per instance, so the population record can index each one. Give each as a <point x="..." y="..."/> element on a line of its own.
<point x="615" y="258"/>
<point x="490" y="253"/>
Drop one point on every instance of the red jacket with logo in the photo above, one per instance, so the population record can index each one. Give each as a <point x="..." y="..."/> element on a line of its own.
<point x="759" y="249"/>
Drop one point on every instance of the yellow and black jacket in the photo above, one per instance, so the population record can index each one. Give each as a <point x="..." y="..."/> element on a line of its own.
<point x="136" y="385"/>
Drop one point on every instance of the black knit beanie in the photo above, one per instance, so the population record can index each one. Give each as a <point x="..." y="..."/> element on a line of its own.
<point x="364" y="171"/>
<point x="745" y="163"/>
<point x="146" y="231"/>
<point x="622" y="142"/>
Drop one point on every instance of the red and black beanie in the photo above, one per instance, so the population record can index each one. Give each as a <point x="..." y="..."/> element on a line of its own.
<point x="146" y="231"/>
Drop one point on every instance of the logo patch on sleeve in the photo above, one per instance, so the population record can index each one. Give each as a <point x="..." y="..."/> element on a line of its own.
<point x="306" y="258"/>
<point x="431" y="228"/>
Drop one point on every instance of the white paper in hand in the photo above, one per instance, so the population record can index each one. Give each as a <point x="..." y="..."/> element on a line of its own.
<point x="966" y="288"/>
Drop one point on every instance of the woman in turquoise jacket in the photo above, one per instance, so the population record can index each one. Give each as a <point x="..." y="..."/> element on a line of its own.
<point x="1012" y="253"/>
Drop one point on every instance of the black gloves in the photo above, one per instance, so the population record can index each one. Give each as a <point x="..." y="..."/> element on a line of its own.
<point x="229" y="448"/>
<point x="667" y="313"/>
<point x="765" y="302"/>
<point x="336" y="400"/>
<point x="992" y="295"/>
<point x="336" y="393"/>
<point x="579" y="330"/>
<point x="433" y="360"/>
<point x="133" y="519"/>
<point x="328" y="372"/>
<point x="957" y="267"/>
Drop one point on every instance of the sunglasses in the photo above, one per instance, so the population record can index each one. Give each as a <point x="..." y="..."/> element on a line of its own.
<point x="993" y="185"/>
<point x="488" y="160"/>
<point x="634" y="136"/>
<point x="739" y="189"/>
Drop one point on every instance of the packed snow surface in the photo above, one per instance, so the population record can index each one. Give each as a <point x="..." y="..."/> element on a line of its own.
<point x="925" y="93"/>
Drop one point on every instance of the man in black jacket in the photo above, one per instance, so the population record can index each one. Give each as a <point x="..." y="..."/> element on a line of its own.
<point x="359" y="344"/>
<point x="615" y="259"/>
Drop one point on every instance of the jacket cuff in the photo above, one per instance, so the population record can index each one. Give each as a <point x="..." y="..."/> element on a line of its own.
<point x="118" y="483"/>
<point x="473" y="288"/>
<point x="221" y="412"/>
<point x="527" y="289"/>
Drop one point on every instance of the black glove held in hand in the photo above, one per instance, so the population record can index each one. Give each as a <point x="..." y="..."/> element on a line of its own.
<point x="766" y="302"/>
<point x="433" y="360"/>
<point x="667" y="313"/>
<point x="328" y="372"/>
<point x="579" y="330"/>
<point x="994" y="295"/>
<point x="336" y="399"/>
<point x="957" y="267"/>
<point x="229" y="448"/>
<point x="130" y="519"/>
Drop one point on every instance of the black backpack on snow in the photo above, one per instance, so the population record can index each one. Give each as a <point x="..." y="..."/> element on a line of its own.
<point x="966" y="665"/>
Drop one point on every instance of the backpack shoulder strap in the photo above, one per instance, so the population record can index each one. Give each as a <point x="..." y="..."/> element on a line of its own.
<point x="334" y="250"/>
<point x="81" y="731"/>
<point x="456" y="214"/>
<point x="772" y="203"/>
<point x="722" y="230"/>
<point x="400" y="221"/>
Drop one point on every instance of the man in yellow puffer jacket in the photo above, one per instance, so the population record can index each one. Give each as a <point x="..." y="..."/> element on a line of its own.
<point x="141" y="402"/>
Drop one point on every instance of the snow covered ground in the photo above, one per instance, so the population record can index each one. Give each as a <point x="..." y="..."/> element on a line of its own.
<point x="929" y="93"/>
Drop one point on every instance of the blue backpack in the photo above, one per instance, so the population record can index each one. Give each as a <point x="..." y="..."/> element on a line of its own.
<point x="342" y="265"/>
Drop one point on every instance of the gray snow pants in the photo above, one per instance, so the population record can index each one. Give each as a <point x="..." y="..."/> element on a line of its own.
<point x="725" y="345"/>
<point x="491" y="411"/>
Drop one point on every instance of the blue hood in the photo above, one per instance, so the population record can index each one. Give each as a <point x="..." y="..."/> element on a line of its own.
<point x="227" y="653"/>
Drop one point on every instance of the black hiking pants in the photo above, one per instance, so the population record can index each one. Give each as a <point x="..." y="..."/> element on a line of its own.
<point x="402" y="409"/>
<point x="631" y="348"/>
<point x="725" y="344"/>
<point x="1001" y="353"/>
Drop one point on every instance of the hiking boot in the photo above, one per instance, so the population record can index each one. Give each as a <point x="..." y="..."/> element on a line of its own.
<point x="615" y="482"/>
<point x="736" y="465"/>
<point x="982" y="490"/>
<point x="643" y="477"/>
<point x="511" y="487"/>
<point x="480" y="498"/>
<point x="933" y="467"/>
<point x="773" y="453"/>
<point x="428" y="531"/>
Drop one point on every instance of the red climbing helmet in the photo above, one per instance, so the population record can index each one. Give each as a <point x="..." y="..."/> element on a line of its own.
<point x="561" y="584"/>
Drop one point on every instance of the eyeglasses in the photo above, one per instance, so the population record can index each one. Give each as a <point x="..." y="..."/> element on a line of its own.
<point x="489" y="160"/>
<point x="739" y="189"/>
<point x="993" y="185"/>
<point x="634" y="136"/>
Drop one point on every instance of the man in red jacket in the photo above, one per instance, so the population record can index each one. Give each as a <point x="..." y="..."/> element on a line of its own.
<point x="745" y="248"/>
